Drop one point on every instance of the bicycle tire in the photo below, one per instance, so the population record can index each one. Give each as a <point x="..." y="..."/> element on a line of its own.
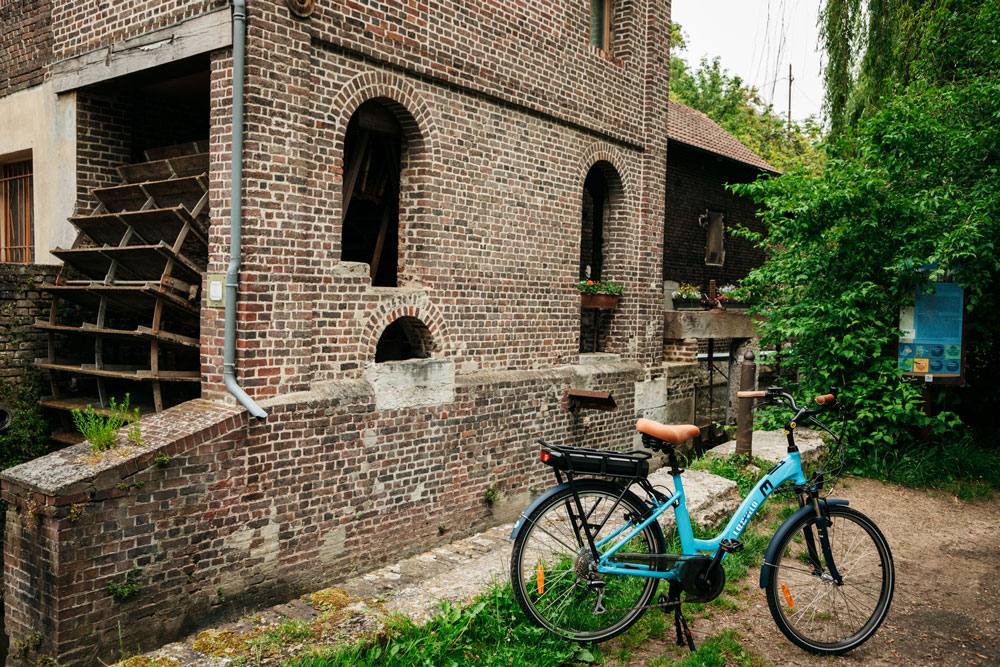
<point x="548" y="563"/>
<point x="828" y="619"/>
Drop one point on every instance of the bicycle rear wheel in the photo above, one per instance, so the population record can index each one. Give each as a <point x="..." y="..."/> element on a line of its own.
<point x="809" y="607"/>
<point x="551" y="565"/>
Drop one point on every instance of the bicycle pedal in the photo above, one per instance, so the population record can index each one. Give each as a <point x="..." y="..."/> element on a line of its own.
<point x="731" y="546"/>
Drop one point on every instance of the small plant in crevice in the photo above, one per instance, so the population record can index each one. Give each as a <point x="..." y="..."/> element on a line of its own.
<point x="75" y="512"/>
<point x="134" y="434"/>
<point x="101" y="430"/>
<point x="219" y="594"/>
<point x="491" y="495"/>
<point x="30" y="509"/>
<point x="161" y="459"/>
<point x="128" y="587"/>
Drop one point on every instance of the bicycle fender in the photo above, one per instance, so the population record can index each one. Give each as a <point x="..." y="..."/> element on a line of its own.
<point x="614" y="488"/>
<point x="766" y="571"/>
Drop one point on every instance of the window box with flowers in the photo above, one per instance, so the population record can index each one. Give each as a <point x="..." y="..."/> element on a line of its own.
<point x="731" y="297"/>
<point x="598" y="294"/>
<point x="687" y="297"/>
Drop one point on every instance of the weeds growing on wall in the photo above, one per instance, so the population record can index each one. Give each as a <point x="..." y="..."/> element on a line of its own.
<point x="101" y="428"/>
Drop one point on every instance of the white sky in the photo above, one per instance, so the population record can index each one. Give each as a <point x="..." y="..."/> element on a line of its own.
<point x="757" y="40"/>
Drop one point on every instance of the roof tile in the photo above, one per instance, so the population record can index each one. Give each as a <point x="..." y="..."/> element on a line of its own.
<point x="694" y="128"/>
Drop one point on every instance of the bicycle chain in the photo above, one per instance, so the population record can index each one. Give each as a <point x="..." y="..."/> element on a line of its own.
<point x="659" y="605"/>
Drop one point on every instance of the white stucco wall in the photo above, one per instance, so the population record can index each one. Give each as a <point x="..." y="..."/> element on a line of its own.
<point x="39" y="121"/>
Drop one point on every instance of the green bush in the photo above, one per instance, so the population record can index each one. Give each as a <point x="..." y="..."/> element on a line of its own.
<point x="913" y="184"/>
<point x="28" y="434"/>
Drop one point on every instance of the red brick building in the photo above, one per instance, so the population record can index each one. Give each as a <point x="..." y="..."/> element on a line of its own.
<point x="422" y="187"/>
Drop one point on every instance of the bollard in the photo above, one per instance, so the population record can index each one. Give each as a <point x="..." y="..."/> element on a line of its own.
<point x="744" y="415"/>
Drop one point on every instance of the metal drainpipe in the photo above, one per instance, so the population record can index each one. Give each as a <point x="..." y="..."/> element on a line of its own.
<point x="236" y="214"/>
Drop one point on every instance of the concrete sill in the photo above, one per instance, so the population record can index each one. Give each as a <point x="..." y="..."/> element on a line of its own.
<point x="681" y="324"/>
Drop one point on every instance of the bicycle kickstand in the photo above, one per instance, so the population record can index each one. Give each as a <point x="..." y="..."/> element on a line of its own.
<point x="683" y="633"/>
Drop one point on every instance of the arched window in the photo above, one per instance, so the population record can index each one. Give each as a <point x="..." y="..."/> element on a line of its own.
<point x="373" y="150"/>
<point x="601" y="219"/>
<point x="596" y="201"/>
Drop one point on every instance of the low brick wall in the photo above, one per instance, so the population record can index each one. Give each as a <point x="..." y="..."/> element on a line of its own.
<point x="327" y="487"/>
<point x="21" y="303"/>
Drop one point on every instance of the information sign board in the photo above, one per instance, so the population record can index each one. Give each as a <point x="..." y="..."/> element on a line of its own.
<point x="931" y="344"/>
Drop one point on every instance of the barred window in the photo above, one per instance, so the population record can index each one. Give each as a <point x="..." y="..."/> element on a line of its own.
<point x="17" y="226"/>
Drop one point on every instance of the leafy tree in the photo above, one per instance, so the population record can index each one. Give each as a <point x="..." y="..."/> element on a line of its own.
<point x="739" y="110"/>
<point x="915" y="181"/>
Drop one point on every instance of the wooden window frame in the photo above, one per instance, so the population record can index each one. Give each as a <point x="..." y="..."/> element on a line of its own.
<point x="24" y="228"/>
<point x="714" y="256"/>
<point x="605" y="37"/>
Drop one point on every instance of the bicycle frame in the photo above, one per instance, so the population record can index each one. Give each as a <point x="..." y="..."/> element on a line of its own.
<point x="789" y="468"/>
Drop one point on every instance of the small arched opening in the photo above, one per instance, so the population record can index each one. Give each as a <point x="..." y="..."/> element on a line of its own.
<point x="404" y="338"/>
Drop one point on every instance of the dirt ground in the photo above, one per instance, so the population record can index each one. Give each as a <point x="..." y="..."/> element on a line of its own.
<point x="946" y="607"/>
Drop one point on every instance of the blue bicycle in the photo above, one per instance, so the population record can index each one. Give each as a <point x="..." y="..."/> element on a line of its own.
<point x="589" y="554"/>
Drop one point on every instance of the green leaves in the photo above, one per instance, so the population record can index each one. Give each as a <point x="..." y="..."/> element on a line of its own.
<point x="915" y="181"/>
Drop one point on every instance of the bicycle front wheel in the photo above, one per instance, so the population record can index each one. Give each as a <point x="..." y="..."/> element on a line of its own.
<point x="552" y="567"/>
<point x="808" y="605"/>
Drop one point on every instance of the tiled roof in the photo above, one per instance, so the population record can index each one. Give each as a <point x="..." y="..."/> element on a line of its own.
<point x="694" y="128"/>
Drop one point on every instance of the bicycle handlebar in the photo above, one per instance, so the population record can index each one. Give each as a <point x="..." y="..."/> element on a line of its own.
<point x="773" y="394"/>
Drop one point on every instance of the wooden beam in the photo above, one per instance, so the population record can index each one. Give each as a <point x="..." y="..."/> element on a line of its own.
<point x="188" y="37"/>
<point x="351" y="174"/>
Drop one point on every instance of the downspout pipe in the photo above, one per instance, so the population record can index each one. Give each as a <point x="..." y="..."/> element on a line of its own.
<point x="236" y="214"/>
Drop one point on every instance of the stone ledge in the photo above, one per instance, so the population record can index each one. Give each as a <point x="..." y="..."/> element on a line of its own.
<point x="74" y="473"/>
<point x="681" y="324"/>
<point x="772" y="446"/>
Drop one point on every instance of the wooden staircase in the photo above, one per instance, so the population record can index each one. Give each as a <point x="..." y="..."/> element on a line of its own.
<point x="125" y="308"/>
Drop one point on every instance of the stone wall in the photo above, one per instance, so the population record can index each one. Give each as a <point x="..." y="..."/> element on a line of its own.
<point x="21" y="303"/>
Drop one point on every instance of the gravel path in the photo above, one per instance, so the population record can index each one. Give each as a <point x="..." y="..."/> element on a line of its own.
<point x="946" y="607"/>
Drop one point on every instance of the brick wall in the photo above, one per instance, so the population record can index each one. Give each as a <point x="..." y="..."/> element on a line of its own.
<point x="21" y="303"/>
<point x="505" y="109"/>
<point x="25" y="43"/>
<point x="271" y="510"/>
<point x="675" y="349"/>
<point x="695" y="182"/>
<point x="491" y="196"/>
<point x="103" y="143"/>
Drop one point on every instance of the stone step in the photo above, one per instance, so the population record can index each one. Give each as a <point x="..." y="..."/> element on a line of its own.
<point x="772" y="446"/>
<point x="710" y="499"/>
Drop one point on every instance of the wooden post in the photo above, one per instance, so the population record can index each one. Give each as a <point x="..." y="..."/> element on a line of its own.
<point x="744" y="415"/>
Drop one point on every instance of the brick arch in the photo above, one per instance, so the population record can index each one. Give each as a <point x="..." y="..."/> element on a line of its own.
<point x="619" y="176"/>
<point x="421" y="153"/>
<point x="403" y="100"/>
<point x="616" y="250"/>
<point x="417" y="307"/>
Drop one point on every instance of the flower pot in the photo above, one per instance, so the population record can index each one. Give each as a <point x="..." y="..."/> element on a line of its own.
<point x="605" y="301"/>
<point x="687" y="304"/>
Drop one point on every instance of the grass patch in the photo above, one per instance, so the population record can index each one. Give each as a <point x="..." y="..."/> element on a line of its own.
<point x="491" y="631"/>
<point x="961" y="468"/>
<point x="746" y="472"/>
<point x="720" y="650"/>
